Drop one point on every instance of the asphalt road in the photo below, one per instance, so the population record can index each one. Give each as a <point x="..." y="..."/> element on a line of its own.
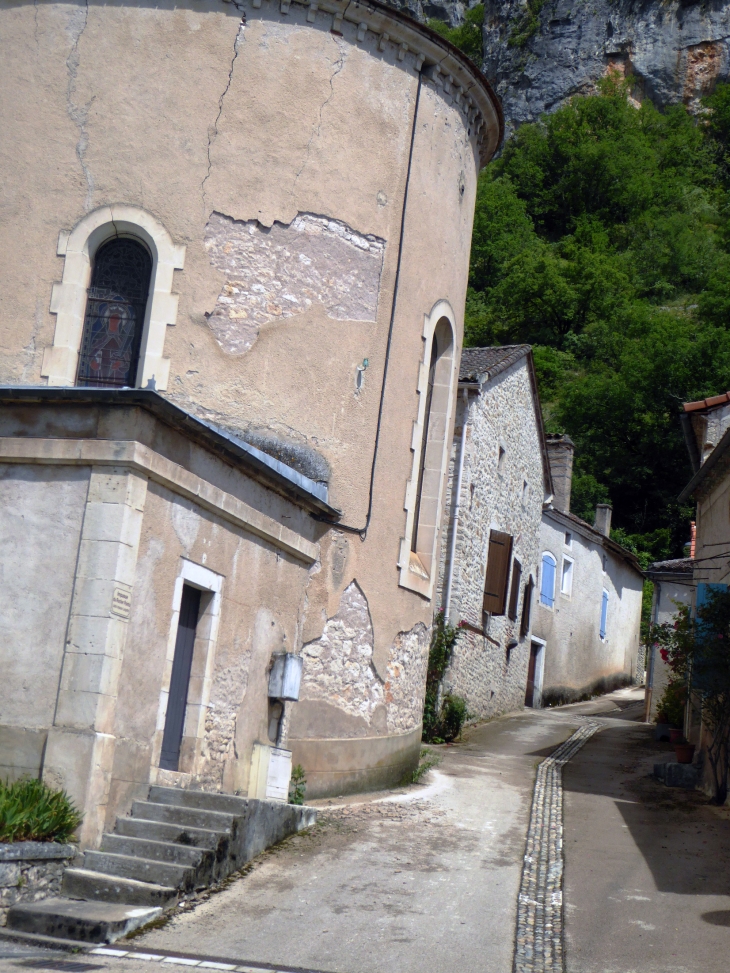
<point x="425" y="879"/>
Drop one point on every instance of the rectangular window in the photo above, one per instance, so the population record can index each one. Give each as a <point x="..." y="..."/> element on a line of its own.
<point x="604" y="613"/>
<point x="495" y="583"/>
<point x="526" y="607"/>
<point x="566" y="580"/>
<point x="514" y="594"/>
<point x="568" y="539"/>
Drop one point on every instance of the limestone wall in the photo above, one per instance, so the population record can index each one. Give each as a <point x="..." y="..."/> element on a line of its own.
<point x="504" y="495"/>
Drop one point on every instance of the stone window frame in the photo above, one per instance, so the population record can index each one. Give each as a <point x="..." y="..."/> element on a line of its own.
<point x="68" y="298"/>
<point x="414" y="574"/>
<point x="201" y="674"/>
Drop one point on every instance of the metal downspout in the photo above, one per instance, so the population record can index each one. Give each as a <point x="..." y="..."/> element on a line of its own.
<point x="457" y="505"/>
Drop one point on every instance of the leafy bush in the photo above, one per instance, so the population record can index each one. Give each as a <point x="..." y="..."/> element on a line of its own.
<point x="671" y="704"/>
<point x="442" y="721"/>
<point x="32" y="811"/>
<point x="297" y="785"/>
<point x="467" y="36"/>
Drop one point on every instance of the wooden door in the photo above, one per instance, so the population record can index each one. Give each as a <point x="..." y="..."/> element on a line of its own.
<point x="531" y="669"/>
<point x="180" y="679"/>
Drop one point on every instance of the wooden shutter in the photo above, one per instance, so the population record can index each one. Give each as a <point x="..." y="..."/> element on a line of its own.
<point x="495" y="584"/>
<point x="526" y="608"/>
<point x="514" y="594"/>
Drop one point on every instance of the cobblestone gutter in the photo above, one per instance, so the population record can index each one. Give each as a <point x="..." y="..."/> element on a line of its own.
<point x="31" y="871"/>
<point x="539" y="936"/>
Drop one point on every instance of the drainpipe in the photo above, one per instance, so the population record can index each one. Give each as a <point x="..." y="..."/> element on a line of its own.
<point x="457" y="504"/>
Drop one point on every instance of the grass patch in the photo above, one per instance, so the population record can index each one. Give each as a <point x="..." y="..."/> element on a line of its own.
<point x="32" y="811"/>
<point x="427" y="761"/>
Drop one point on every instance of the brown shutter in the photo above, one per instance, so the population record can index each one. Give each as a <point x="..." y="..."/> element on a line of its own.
<point x="495" y="583"/>
<point x="514" y="594"/>
<point x="526" y="607"/>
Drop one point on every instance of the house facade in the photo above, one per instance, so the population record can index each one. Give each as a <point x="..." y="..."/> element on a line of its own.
<point x="585" y="636"/>
<point x="673" y="587"/>
<point x="238" y="292"/>
<point x="499" y="472"/>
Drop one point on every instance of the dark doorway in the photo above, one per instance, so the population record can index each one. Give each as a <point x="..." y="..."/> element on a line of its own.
<point x="531" y="670"/>
<point x="180" y="679"/>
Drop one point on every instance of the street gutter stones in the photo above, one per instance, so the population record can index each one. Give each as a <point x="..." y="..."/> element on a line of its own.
<point x="539" y="935"/>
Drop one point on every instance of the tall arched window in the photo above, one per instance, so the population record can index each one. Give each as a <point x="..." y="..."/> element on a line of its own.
<point x="424" y="441"/>
<point x="115" y="314"/>
<point x="547" y="581"/>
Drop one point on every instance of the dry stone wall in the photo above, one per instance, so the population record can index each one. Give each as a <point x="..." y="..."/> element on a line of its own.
<point x="505" y="495"/>
<point x="31" y="871"/>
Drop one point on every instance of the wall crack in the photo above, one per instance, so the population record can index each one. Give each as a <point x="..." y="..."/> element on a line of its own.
<point x="79" y="113"/>
<point x="213" y="134"/>
<point x="339" y="64"/>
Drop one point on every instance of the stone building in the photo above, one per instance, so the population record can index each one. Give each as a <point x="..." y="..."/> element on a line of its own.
<point x="500" y="472"/>
<point x="585" y="635"/>
<point x="235" y="248"/>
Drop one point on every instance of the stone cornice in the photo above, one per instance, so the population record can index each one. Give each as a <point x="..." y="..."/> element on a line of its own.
<point x="417" y="47"/>
<point x="136" y="456"/>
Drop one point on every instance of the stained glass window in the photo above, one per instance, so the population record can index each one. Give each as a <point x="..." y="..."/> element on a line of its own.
<point x="115" y="310"/>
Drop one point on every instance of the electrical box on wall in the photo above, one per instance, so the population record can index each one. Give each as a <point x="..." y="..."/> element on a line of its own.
<point x="286" y="676"/>
<point x="270" y="773"/>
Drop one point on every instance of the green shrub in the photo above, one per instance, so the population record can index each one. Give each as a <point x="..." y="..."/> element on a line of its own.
<point x="441" y="723"/>
<point x="672" y="702"/>
<point x="297" y="785"/>
<point x="32" y="811"/>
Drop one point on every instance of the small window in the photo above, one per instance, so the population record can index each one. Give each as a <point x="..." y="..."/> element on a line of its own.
<point x="547" y="581"/>
<point x="525" y="491"/>
<point x="566" y="578"/>
<point x="604" y="613"/>
<point x="605" y="563"/>
<point x="568" y="539"/>
<point x="514" y="594"/>
<point x="500" y="458"/>
<point x="497" y="576"/>
<point x="526" y="607"/>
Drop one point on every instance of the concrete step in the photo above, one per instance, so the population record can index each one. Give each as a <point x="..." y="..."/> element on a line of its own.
<point x="188" y="816"/>
<point x="175" y="833"/>
<point x="202" y="800"/>
<point x="161" y="851"/>
<point x="80" y="883"/>
<point x="41" y="943"/>
<point x="66" y="919"/>
<point x="141" y="869"/>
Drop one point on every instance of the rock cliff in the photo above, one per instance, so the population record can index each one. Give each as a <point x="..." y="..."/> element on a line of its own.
<point x="538" y="53"/>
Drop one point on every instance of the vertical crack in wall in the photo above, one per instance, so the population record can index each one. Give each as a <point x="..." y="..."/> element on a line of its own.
<point x="339" y="64"/>
<point x="79" y="113"/>
<point x="213" y="133"/>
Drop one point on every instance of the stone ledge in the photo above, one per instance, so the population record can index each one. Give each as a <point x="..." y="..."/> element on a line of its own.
<point x="35" y="851"/>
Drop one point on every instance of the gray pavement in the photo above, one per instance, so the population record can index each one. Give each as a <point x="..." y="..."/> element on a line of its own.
<point x="427" y="878"/>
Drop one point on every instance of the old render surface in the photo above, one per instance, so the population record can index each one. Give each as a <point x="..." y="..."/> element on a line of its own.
<point x="425" y="880"/>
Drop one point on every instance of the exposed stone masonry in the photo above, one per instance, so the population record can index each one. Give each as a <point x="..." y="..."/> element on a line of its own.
<point x="31" y="871"/>
<point x="283" y="270"/>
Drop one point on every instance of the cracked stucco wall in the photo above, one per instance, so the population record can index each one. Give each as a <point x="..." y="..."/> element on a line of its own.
<point x="282" y="270"/>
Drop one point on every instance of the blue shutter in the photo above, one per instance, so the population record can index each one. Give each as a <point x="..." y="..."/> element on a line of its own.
<point x="547" y="582"/>
<point x="604" y="614"/>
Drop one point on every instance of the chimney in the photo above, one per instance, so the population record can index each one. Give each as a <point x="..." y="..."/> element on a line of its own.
<point x="603" y="518"/>
<point x="560" y="453"/>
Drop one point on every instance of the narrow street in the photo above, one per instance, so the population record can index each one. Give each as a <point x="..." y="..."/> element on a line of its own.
<point x="427" y="879"/>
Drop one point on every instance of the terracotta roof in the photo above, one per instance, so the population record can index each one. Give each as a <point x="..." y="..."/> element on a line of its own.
<point x="480" y="363"/>
<point x="707" y="403"/>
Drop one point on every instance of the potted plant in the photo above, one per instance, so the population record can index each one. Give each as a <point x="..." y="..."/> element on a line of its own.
<point x="685" y="752"/>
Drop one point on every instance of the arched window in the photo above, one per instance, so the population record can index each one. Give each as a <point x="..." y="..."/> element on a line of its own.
<point x="547" y="581"/>
<point x="426" y="512"/>
<point x="115" y="314"/>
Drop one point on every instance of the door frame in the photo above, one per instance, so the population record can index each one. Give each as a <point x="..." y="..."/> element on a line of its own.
<point x="539" y="671"/>
<point x="201" y="678"/>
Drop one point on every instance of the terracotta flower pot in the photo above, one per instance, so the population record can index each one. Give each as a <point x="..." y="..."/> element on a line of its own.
<point x="675" y="736"/>
<point x="685" y="752"/>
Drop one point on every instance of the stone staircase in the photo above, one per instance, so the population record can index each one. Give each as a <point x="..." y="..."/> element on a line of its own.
<point x="175" y="843"/>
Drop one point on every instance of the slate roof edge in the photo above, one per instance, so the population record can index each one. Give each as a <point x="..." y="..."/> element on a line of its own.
<point x="257" y="464"/>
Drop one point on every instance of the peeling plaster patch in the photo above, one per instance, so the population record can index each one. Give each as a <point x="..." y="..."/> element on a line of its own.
<point x="338" y="666"/>
<point x="405" y="684"/>
<point x="283" y="270"/>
